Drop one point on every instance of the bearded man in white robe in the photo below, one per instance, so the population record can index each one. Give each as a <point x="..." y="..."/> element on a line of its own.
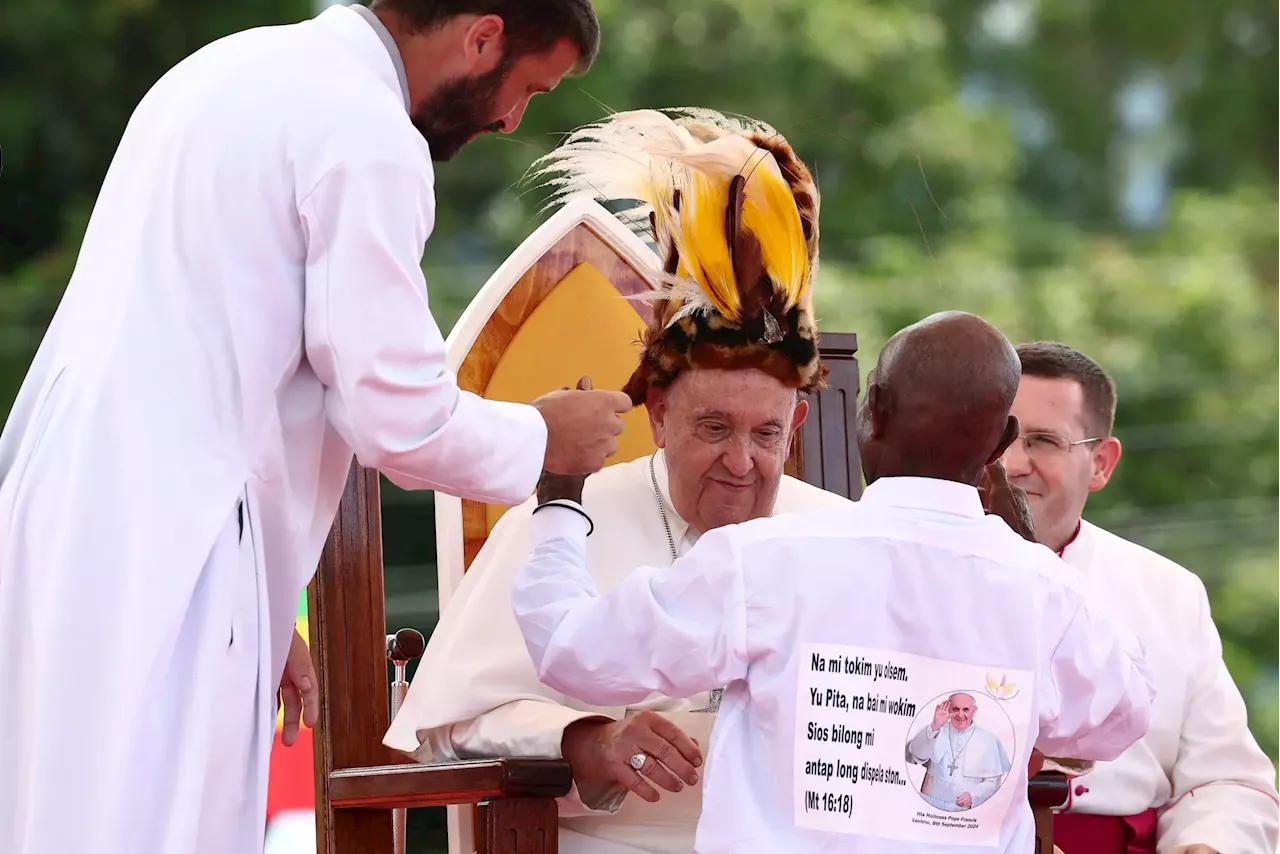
<point x="723" y="418"/>
<point x="247" y="314"/>
<point x="964" y="763"/>
<point x="1197" y="782"/>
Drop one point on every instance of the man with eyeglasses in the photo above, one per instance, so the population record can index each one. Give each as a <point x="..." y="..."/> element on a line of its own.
<point x="1197" y="783"/>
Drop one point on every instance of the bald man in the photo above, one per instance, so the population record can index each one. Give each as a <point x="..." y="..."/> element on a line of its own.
<point x="836" y="632"/>
<point x="965" y="763"/>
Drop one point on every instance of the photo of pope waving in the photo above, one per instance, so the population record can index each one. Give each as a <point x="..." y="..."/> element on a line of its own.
<point x="964" y="763"/>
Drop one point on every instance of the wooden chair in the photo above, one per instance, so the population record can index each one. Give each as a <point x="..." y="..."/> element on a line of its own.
<point x="550" y="314"/>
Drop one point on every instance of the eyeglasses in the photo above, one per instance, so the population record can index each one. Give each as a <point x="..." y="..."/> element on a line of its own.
<point x="1047" y="446"/>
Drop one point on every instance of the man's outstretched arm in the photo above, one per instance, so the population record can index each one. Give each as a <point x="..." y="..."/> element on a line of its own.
<point x="677" y="631"/>
<point x="372" y="341"/>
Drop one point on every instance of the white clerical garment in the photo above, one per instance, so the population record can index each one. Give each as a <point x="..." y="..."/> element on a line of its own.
<point x="1198" y="764"/>
<point x="247" y="312"/>
<point x="971" y="761"/>
<point x="776" y="609"/>
<point x="476" y="694"/>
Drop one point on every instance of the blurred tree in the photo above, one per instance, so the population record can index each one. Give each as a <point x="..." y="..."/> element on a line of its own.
<point x="1100" y="173"/>
<point x="70" y="75"/>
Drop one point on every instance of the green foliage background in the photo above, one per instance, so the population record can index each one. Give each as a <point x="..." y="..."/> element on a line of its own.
<point x="972" y="154"/>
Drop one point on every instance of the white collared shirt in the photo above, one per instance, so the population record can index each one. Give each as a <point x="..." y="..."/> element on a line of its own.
<point x="838" y="634"/>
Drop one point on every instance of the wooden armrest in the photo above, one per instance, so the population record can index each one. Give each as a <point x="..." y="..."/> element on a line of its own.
<point x="442" y="783"/>
<point x="1048" y="789"/>
<point x="472" y="781"/>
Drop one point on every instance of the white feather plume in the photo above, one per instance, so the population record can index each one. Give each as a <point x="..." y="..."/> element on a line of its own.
<point x="631" y="155"/>
<point x="612" y="159"/>
<point x="609" y="159"/>
<point x="692" y="299"/>
<point x="725" y="123"/>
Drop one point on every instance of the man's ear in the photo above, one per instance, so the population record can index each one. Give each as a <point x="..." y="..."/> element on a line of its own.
<point x="655" y="403"/>
<point x="1106" y="456"/>
<point x="1011" y="430"/>
<point x="797" y="418"/>
<point x="482" y="44"/>
<point x="799" y="415"/>
<point x="880" y="407"/>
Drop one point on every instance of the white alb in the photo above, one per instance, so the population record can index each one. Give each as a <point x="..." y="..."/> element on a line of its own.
<point x="247" y="313"/>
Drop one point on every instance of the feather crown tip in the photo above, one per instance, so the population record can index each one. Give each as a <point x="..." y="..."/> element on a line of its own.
<point x="733" y="213"/>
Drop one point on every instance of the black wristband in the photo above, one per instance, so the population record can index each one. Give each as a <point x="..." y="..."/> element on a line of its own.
<point x="567" y="505"/>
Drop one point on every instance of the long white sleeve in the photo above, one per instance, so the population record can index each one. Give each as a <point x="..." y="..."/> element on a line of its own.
<point x="677" y="631"/>
<point x="534" y="729"/>
<point x="1224" y="792"/>
<point x="920" y="747"/>
<point x="371" y="339"/>
<point x="1100" y="691"/>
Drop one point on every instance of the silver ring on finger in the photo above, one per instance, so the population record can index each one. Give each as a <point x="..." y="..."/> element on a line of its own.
<point x="637" y="761"/>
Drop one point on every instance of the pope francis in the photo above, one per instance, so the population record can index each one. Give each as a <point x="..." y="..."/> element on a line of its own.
<point x="723" y="428"/>
<point x="965" y="763"/>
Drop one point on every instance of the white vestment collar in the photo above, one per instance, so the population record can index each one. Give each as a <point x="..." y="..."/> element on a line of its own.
<point x="389" y="42"/>
<point x="1079" y="552"/>
<point x="352" y="28"/>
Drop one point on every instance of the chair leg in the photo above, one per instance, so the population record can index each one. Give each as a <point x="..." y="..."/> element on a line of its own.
<point x="518" y="826"/>
<point x="1044" y="829"/>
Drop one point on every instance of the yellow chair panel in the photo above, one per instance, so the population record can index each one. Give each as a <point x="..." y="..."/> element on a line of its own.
<point x="583" y="326"/>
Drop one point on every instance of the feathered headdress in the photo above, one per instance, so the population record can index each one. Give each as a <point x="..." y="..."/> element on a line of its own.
<point x="734" y="215"/>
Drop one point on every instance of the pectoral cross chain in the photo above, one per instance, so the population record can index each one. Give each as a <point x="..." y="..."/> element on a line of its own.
<point x="713" y="702"/>
<point x="955" y="757"/>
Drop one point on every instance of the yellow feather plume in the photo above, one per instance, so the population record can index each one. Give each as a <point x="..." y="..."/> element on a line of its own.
<point x="770" y="214"/>
<point x="650" y="157"/>
<point x="700" y="240"/>
<point x="698" y="229"/>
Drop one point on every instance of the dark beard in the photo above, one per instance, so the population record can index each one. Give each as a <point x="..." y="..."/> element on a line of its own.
<point x="460" y="110"/>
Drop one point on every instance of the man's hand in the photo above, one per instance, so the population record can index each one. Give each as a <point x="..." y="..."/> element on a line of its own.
<point x="602" y="750"/>
<point x="568" y="486"/>
<point x="582" y="426"/>
<point x="299" y="690"/>
<point x="964" y="801"/>
<point x="1198" y="848"/>
<point x="941" y="712"/>
<point x="1003" y="499"/>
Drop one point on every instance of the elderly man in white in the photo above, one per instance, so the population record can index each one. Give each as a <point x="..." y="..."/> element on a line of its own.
<point x="1197" y="783"/>
<point x="965" y="763"/>
<point x="724" y="430"/>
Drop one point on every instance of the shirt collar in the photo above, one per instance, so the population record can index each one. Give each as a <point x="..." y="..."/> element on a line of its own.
<point x="384" y="35"/>
<point x="1079" y="551"/>
<point x="925" y="493"/>
<point x="1075" y="534"/>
